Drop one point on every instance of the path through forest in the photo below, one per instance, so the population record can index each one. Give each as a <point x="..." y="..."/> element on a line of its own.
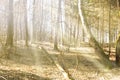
<point x="81" y="63"/>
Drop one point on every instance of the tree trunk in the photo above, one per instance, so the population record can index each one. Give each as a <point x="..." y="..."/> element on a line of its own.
<point x="51" y="21"/>
<point x="110" y="29"/>
<point x="93" y="42"/>
<point x="118" y="41"/>
<point x="30" y="20"/>
<point x="103" y="27"/>
<point x="33" y="22"/>
<point x="10" y="31"/>
<point x="118" y="52"/>
<point x="41" y="28"/>
<point x="26" y="24"/>
<point x="56" y="28"/>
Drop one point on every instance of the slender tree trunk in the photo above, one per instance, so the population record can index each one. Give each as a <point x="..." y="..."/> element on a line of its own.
<point x="103" y="27"/>
<point x="51" y="21"/>
<point x="110" y="28"/>
<point x="98" y="30"/>
<point x="62" y="12"/>
<point x="118" y="41"/>
<point x="78" y="30"/>
<point x="93" y="42"/>
<point x="83" y="35"/>
<point x="30" y="18"/>
<point x="56" y="28"/>
<point x="33" y="22"/>
<point x="10" y="31"/>
<point x="42" y="21"/>
<point x="26" y="24"/>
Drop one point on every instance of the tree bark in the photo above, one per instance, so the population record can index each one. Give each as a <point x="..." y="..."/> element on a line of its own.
<point x="93" y="42"/>
<point x="110" y="28"/>
<point x="118" y="52"/>
<point x="56" y="28"/>
<point x="10" y="30"/>
<point x="26" y="24"/>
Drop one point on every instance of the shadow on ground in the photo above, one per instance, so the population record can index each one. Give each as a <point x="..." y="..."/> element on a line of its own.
<point x="28" y="56"/>
<point x="19" y="75"/>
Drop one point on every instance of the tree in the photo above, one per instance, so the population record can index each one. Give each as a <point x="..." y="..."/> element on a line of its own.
<point x="26" y="24"/>
<point x="56" y="28"/>
<point x="118" y="44"/>
<point x="30" y="13"/>
<point x="10" y="31"/>
<point x="117" y="52"/>
<point x="110" y="29"/>
<point x="92" y="40"/>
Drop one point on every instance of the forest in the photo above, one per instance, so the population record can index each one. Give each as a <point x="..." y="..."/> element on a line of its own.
<point x="59" y="39"/>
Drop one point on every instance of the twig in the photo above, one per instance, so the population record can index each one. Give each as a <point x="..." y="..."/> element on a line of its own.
<point x="3" y="77"/>
<point x="61" y="68"/>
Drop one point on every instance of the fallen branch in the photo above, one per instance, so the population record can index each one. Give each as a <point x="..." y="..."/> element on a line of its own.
<point x="62" y="68"/>
<point x="47" y="54"/>
<point x="3" y="77"/>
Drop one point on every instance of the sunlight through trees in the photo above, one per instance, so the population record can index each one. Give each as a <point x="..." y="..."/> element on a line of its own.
<point x="60" y="37"/>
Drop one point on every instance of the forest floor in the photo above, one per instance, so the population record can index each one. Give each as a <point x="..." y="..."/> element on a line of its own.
<point x="38" y="62"/>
